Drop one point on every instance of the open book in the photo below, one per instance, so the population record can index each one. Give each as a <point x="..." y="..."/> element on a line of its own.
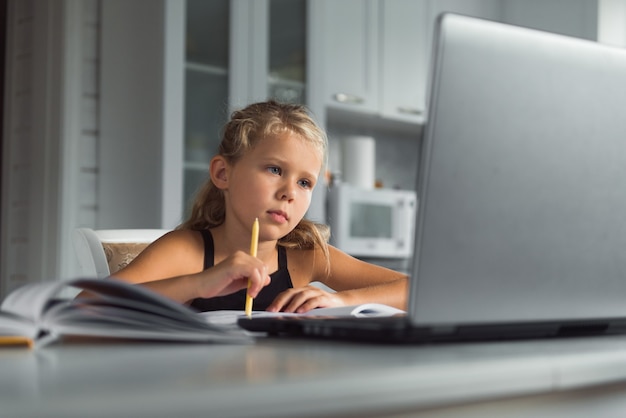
<point x="364" y="310"/>
<point x="34" y="314"/>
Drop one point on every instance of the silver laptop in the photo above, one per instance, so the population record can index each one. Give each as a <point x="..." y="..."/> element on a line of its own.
<point x="521" y="228"/>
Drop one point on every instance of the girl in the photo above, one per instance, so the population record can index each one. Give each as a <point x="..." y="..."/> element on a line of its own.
<point x="269" y="160"/>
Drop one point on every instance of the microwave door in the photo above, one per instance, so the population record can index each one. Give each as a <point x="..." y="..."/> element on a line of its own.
<point x="372" y="223"/>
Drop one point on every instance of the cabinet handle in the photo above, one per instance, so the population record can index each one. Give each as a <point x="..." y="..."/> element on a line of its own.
<point x="348" y="98"/>
<point x="409" y="110"/>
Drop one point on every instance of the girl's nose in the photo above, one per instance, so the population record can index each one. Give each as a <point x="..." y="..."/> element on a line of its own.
<point x="286" y="192"/>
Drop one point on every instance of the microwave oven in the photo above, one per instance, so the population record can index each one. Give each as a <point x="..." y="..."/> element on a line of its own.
<point x="372" y="222"/>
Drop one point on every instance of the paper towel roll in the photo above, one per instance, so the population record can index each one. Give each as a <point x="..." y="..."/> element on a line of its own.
<point x="359" y="161"/>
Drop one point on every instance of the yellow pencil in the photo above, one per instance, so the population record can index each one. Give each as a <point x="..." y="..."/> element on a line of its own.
<point x="16" y="340"/>
<point x="254" y="243"/>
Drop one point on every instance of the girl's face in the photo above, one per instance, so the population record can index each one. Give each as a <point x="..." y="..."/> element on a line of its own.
<point x="274" y="182"/>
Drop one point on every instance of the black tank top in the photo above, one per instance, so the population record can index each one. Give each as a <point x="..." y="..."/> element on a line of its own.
<point x="281" y="280"/>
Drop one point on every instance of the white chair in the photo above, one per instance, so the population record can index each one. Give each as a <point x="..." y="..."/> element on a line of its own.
<point x="103" y="252"/>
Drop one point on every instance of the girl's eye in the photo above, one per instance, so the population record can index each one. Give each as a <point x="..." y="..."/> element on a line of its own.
<point x="274" y="170"/>
<point x="305" y="184"/>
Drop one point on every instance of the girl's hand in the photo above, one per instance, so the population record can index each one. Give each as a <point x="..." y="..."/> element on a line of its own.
<point x="303" y="299"/>
<point x="232" y="274"/>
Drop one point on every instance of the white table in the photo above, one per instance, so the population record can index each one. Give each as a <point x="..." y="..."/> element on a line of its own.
<point x="299" y="378"/>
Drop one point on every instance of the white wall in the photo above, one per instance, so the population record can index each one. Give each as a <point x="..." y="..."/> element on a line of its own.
<point x="141" y="110"/>
<point x="612" y="22"/>
<point x="49" y="137"/>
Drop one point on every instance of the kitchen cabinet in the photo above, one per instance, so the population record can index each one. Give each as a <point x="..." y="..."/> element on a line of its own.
<point x="348" y="53"/>
<point x="371" y="56"/>
<point x="171" y="71"/>
<point x="403" y="59"/>
<point x="287" y="54"/>
<point x="407" y="28"/>
<point x="207" y="43"/>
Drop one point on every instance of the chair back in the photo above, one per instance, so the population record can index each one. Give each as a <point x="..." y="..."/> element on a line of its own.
<point x="104" y="252"/>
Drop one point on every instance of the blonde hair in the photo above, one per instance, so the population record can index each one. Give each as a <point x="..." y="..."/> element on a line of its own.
<point x="242" y="133"/>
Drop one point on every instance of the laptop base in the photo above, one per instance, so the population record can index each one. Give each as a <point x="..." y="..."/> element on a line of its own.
<point x="398" y="329"/>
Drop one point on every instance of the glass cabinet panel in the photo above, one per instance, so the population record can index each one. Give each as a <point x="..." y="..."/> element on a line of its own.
<point x="287" y="50"/>
<point x="206" y="88"/>
<point x="208" y="32"/>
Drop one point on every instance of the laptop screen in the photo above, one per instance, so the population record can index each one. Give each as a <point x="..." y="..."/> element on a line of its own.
<point x="522" y="183"/>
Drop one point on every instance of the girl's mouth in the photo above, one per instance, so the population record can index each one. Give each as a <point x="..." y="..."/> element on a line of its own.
<point x="278" y="216"/>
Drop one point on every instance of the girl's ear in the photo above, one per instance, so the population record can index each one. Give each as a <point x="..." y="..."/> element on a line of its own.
<point x="219" y="170"/>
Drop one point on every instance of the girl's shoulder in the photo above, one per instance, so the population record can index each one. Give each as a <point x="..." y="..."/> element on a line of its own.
<point x="179" y="241"/>
<point x="183" y="235"/>
<point x="176" y="253"/>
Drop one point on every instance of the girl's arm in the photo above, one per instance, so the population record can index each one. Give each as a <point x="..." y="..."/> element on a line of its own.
<point x="355" y="282"/>
<point x="173" y="266"/>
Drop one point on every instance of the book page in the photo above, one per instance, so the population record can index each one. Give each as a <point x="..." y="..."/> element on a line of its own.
<point x="375" y="309"/>
<point x="21" y="311"/>
<point x="29" y="301"/>
<point x="122" y="310"/>
<point x="13" y="325"/>
<point x="229" y="317"/>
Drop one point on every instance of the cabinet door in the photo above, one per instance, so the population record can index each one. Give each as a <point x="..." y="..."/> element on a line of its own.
<point x="206" y="87"/>
<point x="350" y="50"/>
<point x="404" y="59"/>
<point x="287" y="50"/>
